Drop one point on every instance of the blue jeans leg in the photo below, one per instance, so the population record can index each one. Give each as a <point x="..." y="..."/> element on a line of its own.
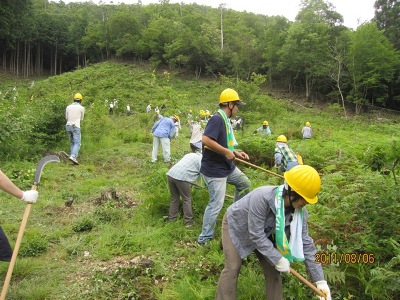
<point x="75" y="138"/>
<point x="241" y="183"/>
<point x="291" y="164"/>
<point x="216" y="190"/>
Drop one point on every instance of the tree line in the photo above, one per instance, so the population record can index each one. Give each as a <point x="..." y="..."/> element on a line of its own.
<point x="315" y="55"/>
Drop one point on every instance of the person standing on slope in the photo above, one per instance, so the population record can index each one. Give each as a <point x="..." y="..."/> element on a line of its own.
<point x="163" y="131"/>
<point x="195" y="136"/>
<point x="217" y="167"/>
<point x="74" y="114"/>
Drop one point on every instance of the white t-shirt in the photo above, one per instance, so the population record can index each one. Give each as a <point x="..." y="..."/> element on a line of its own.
<point x="74" y="113"/>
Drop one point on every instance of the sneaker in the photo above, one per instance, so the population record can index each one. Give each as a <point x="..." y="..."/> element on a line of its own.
<point x="202" y="242"/>
<point x="73" y="159"/>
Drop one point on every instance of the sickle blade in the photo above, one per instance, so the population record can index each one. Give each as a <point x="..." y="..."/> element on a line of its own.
<point x="40" y="165"/>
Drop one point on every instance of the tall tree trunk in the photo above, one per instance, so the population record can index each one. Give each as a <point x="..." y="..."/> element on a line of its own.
<point x="55" y="60"/>
<point x="17" y="60"/>
<point x="307" y="90"/>
<point x="4" y="59"/>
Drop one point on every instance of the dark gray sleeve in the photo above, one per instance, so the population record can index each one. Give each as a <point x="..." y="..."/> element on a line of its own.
<point x="260" y="214"/>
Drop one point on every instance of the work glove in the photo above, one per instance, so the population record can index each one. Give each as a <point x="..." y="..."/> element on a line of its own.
<point x="283" y="265"/>
<point x="323" y="286"/>
<point x="30" y="196"/>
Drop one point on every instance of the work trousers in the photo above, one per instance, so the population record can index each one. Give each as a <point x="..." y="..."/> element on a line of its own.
<point x="166" y="148"/>
<point x="227" y="283"/>
<point x="177" y="189"/>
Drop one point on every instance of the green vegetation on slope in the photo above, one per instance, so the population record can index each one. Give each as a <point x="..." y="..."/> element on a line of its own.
<point x="98" y="230"/>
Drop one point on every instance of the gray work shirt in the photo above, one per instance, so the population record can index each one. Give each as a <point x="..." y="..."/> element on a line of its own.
<point x="251" y="221"/>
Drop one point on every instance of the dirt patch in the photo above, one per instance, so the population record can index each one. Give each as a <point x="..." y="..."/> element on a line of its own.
<point x="119" y="199"/>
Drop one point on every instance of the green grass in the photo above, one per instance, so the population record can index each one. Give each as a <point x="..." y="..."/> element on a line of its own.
<point x="123" y="249"/>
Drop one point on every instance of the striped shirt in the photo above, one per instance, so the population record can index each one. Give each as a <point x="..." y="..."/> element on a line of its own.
<point x="284" y="155"/>
<point x="187" y="169"/>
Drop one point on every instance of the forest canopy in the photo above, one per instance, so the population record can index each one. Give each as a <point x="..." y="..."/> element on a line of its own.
<point x="315" y="55"/>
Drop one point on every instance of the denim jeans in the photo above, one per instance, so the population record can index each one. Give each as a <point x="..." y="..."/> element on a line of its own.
<point x="291" y="164"/>
<point x="216" y="189"/>
<point x="74" y="134"/>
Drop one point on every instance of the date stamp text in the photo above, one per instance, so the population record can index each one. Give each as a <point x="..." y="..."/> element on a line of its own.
<point x="344" y="258"/>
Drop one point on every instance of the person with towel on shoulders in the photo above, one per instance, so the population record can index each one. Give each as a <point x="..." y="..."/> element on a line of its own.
<point x="217" y="167"/>
<point x="271" y="221"/>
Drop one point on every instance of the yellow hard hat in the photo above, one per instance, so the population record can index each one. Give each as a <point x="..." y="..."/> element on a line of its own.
<point x="265" y="123"/>
<point x="282" y="139"/>
<point x="78" y="96"/>
<point x="308" y="124"/>
<point x="305" y="181"/>
<point x="176" y="117"/>
<point x="230" y="95"/>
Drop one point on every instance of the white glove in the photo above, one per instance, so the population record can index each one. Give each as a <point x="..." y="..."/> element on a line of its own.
<point x="283" y="265"/>
<point x="30" y="196"/>
<point x="323" y="286"/>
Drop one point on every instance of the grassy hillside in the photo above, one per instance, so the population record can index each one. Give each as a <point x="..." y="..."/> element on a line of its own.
<point x="98" y="230"/>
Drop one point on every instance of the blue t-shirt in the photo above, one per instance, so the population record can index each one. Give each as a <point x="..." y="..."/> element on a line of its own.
<point x="214" y="164"/>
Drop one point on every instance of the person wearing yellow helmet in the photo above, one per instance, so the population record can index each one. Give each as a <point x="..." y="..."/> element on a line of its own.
<point x="163" y="131"/>
<point x="271" y="221"/>
<point x="306" y="131"/>
<point x="285" y="158"/>
<point x="74" y="114"/>
<point x="217" y="165"/>
<point x="263" y="130"/>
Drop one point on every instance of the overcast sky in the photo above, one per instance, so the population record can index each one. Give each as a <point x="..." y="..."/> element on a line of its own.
<point x="354" y="12"/>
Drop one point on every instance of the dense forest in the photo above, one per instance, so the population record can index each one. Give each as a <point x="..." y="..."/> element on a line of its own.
<point x="315" y="55"/>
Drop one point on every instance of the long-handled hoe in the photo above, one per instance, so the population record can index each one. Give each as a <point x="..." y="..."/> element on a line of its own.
<point x="307" y="283"/>
<point x="204" y="188"/>
<point x="294" y="272"/>
<point x="257" y="167"/>
<point x="39" y="168"/>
